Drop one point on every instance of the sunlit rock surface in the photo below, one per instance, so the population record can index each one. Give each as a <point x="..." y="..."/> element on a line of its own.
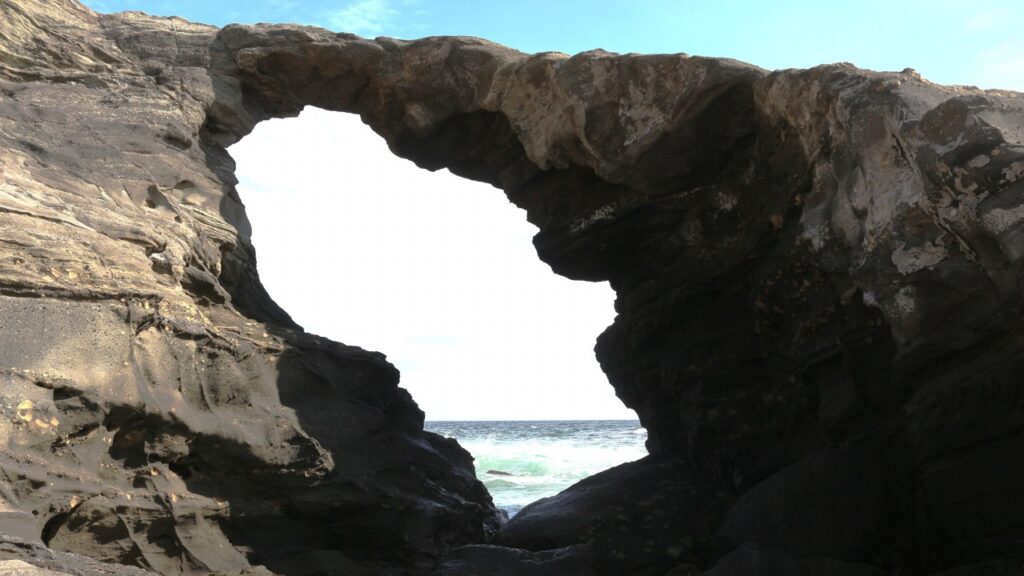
<point x="818" y="308"/>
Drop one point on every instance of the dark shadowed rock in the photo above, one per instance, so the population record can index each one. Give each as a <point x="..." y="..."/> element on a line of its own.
<point x="640" y="518"/>
<point x="752" y="560"/>
<point x="802" y="259"/>
<point x="829" y="504"/>
<point x="684" y="570"/>
<point x="482" y="560"/>
<point x="1009" y="566"/>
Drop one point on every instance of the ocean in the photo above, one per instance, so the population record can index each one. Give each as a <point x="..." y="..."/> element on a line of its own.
<point x="521" y="462"/>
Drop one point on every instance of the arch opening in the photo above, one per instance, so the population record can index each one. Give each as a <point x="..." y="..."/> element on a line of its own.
<point x="437" y="271"/>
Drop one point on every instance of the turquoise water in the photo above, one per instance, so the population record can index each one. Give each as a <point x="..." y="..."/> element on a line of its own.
<point x="521" y="462"/>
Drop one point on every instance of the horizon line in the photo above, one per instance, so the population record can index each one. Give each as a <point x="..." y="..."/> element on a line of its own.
<point x="542" y="420"/>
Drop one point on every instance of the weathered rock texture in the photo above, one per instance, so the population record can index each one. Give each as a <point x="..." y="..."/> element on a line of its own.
<point x="818" y="279"/>
<point x="20" y="557"/>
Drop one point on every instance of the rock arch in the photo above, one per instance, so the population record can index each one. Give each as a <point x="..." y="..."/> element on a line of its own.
<point x="817" y="293"/>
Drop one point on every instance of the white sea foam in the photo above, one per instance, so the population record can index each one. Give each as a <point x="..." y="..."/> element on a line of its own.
<point x="539" y="459"/>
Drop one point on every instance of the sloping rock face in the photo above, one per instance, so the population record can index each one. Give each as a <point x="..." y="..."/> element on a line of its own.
<point x="818" y="295"/>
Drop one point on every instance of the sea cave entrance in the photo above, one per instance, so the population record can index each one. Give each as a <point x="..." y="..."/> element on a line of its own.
<point x="438" y="272"/>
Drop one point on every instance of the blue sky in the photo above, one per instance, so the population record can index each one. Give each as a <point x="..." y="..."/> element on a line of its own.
<point x="948" y="41"/>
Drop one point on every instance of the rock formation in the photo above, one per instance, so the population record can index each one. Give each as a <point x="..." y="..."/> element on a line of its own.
<point x="158" y="409"/>
<point x="818" y="294"/>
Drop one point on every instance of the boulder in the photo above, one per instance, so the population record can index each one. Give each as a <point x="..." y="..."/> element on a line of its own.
<point x="643" y="517"/>
<point x="830" y="504"/>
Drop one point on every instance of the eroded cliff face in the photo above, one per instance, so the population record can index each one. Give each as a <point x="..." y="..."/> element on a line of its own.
<point x="817" y="277"/>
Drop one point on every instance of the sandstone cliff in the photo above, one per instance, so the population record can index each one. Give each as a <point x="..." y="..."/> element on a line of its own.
<point x="818" y="295"/>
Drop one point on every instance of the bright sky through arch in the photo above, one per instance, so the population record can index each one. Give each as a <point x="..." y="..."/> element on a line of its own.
<point x="436" y="271"/>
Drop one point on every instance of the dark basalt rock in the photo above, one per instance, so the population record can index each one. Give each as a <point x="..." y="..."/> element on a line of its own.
<point x="643" y="517"/>
<point x="830" y="504"/>
<point x="481" y="560"/>
<point x="751" y="560"/>
<point x="817" y="276"/>
<point x="1008" y="566"/>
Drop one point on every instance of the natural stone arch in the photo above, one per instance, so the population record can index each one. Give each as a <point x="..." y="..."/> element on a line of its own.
<point x="816" y="275"/>
<point x="696" y="187"/>
<point x="473" y="116"/>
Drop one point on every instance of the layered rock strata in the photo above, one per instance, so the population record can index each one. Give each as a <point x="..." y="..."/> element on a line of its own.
<point x="818" y="296"/>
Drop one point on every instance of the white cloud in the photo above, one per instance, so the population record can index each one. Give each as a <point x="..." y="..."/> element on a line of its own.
<point x="364" y="17"/>
<point x="434" y="270"/>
